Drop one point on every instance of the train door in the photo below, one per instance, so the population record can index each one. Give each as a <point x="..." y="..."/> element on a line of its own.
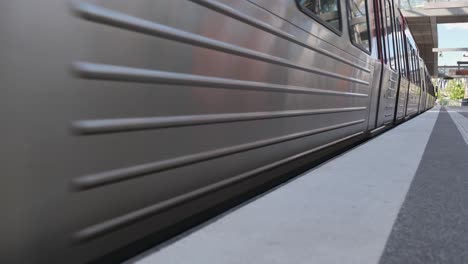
<point x="363" y="32"/>
<point x="402" y="94"/>
<point x="377" y="53"/>
<point x="422" y="99"/>
<point x="412" y="102"/>
<point x="389" y="73"/>
<point x="430" y="96"/>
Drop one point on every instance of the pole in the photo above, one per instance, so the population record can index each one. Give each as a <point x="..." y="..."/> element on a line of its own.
<point x="465" y="100"/>
<point x="466" y="88"/>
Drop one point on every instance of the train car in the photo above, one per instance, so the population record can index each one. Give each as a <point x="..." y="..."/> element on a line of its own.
<point x="127" y="122"/>
<point x="431" y="93"/>
<point x="425" y="82"/>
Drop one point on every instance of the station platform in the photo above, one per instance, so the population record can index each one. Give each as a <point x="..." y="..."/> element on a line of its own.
<point x="401" y="197"/>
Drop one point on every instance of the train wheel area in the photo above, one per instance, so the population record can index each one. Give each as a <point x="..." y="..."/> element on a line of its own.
<point x="397" y="198"/>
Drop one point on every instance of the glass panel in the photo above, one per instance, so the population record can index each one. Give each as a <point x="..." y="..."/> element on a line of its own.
<point x="411" y="62"/>
<point x="407" y="55"/>
<point x="325" y="10"/>
<point x="390" y="36"/>
<point x="401" y="49"/>
<point x="359" y="31"/>
<point x="383" y="29"/>
<point x="416" y="70"/>
<point x="414" y="64"/>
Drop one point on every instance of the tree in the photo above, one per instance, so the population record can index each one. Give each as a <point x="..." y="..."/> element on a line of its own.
<point x="455" y="89"/>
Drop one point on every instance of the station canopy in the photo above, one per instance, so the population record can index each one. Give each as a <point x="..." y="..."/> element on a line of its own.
<point x="422" y="17"/>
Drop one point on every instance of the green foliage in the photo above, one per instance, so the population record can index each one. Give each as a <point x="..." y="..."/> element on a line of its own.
<point x="443" y="101"/>
<point x="455" y="90"/>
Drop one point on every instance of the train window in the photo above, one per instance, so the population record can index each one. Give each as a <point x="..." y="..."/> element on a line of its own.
<point x="418" y="65"/>
<point x="383" y="30"/>
<point x="407" y="58"/>
<point x="412" y="66"/>
<point x="325" y="11"/>
<point x="359" y="23"/>
<point x="423" y="84"/>
<point x="410" y="61"/>
<point x="415" y="66"/>
<point x="390" y="35"/>
<point x="396" y="60"/>
<point x="401" y="55"/>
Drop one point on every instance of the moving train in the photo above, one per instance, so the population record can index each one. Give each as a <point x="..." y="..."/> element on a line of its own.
<point x="126" y="122"/>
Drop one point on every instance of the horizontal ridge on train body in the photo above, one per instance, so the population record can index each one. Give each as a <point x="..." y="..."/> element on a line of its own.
<point x="116" y="223"/>
<point x="112" y="18"/>
<point x="118" y="175"/>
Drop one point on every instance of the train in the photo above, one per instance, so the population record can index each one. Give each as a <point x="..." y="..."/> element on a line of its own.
<point x="125" y="123"/>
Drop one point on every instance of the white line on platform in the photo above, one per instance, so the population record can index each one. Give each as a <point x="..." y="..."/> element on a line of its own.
<point x="340" y="212"/>
<point x="462" y="124"/>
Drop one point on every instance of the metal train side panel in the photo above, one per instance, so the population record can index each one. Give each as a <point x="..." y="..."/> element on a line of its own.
<point x="402" y="98"/>
<point x="413" y="100"/>
<point x="430" y="101"/>
<point x="374" y="99"/>
<point x="124" y="117"/>
<point x="387" y="99"/>
<point x="422" y="99"/>
<point x="424" y="87"/>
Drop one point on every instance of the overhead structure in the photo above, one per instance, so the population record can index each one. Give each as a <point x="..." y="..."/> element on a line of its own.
<point x="454" y="71"/>
<point x="423" y="17"/>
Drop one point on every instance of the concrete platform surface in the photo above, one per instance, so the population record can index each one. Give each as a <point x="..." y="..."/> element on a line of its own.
<point x="401" y="197"/>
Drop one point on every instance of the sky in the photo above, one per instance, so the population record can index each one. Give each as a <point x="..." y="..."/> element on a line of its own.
<point x="453" y="35"/>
